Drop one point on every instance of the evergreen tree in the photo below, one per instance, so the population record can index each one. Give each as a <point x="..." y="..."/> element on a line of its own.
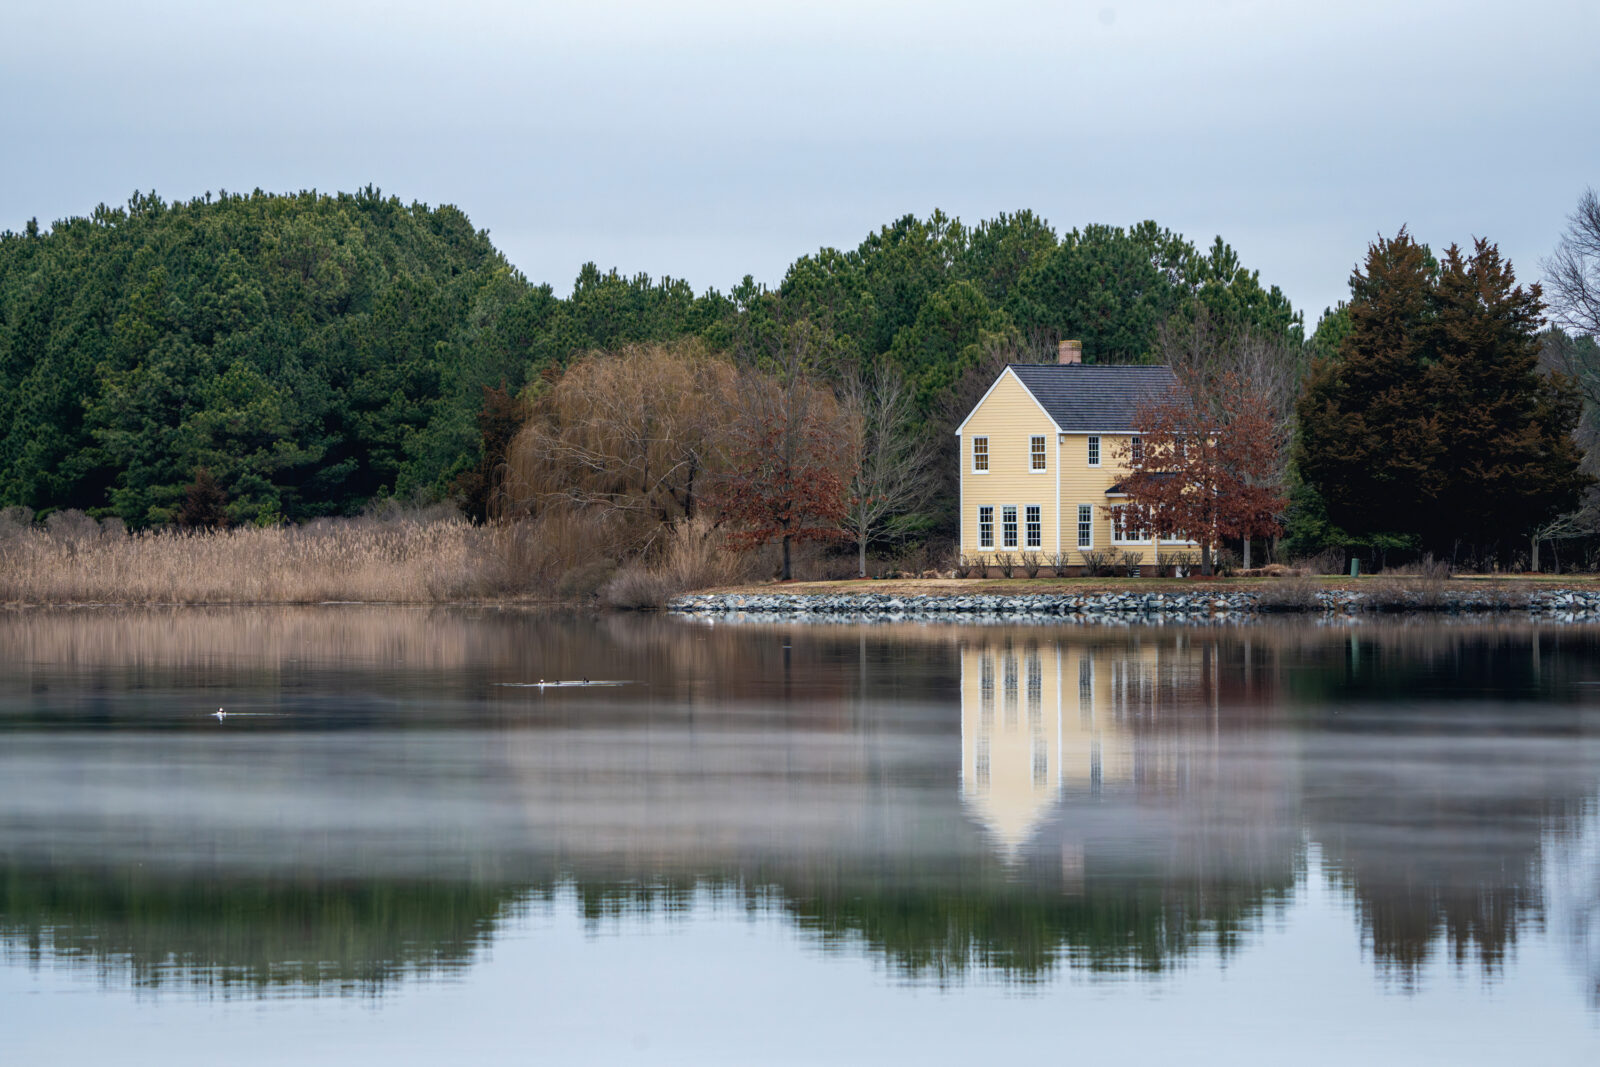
<point x="1365" y="444"/>
<point x="1505" y="430"/>
<point x="1431" y="421"/>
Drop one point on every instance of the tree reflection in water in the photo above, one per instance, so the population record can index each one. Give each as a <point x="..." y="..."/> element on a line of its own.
<point x="953" y="801"/>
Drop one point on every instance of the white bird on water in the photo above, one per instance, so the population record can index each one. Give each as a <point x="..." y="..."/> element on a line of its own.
<point x="220" y="715"/>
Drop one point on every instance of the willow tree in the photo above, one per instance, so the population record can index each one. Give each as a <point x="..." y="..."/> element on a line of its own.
<point x="632" y="438"/>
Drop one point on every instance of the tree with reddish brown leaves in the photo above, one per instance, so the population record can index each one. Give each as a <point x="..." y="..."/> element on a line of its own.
<point x="205" y="504"/>
<point x="788" y="450"/>
<point x="1207" y="466"/>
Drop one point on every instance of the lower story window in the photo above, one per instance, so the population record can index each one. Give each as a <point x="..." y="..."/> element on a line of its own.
<point x="986" y="527"/>
<point x="1033" y="528"/>
<point x="1122" y="536"/>
<point x="1008" y="526"/>
<point x="1085" y="526"/>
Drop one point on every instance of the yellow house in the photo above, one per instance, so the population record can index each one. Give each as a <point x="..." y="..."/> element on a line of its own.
<point x="1042" y="456"/>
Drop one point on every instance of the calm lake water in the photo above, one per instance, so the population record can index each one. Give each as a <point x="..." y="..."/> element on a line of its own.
<point x="794" y="844"/>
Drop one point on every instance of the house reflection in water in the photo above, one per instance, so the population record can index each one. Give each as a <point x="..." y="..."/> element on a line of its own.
<point x="1041" y="719"/>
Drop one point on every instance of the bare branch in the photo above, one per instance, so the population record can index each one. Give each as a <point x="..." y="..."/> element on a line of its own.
<point x="1572" y="273"/>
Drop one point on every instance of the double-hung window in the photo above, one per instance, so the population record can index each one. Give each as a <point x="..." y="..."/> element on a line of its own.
<point x="1085" y="526"/>
<point x="1008" y="526"/>
<point x="1094" y="451"/>
<point x="986" y="527"/>
<point x="980" y="455"/>
<point x="1036" y="453"/>
<point x="1136" y="444"/>
<point x="1033" y="525"/>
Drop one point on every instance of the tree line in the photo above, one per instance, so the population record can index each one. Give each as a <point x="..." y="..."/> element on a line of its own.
<point x="262" y="358"/>
<point x="314" y="352"/>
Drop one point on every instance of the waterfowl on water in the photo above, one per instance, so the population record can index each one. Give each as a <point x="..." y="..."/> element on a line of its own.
<point x="220" y="715"/>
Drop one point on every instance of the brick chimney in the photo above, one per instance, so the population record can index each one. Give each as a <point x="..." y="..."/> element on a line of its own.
<point x="1070" y="352"/>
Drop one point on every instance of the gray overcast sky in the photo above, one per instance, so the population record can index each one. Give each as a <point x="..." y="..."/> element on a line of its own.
<point x="710" y="139"/>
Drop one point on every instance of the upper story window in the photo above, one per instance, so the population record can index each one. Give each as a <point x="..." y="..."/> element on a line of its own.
<point x="1137" y="445"/>
<point x="1094" y="451"/>
<point x="1036" y="453"/>
<point x="980" y="455"/>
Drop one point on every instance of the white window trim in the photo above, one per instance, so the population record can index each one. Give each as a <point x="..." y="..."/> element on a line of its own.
<point x="1044" y="453"/>
<point x="1093" y="454"/>
<point x="1024" y="529"/>
<point x="1077" y="526"/>
<point x="1016" y="526"/>
<point x="990" y="508"/>
<point x="988" y="456"/>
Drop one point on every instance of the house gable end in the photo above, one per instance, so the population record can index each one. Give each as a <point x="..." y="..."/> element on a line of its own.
<point x="1011" y="373"/>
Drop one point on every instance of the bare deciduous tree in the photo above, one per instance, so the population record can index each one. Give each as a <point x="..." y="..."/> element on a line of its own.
<point x="1579" y="359"/>
<point x="1572" y="274"/>
<point x="1572" y="283"/>
<point x="893" y="472"/>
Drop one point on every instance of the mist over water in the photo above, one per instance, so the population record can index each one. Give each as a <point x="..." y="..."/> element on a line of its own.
<point x="943" y="822"/>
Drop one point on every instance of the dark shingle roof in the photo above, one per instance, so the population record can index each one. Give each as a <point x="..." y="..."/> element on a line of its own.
<point x="1093" y="397"/>
<point x="1121" y="488"/>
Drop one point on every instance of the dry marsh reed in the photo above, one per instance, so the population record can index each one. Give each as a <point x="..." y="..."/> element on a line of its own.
<point x="356" y="560"/>
<point x="693" y="555"/>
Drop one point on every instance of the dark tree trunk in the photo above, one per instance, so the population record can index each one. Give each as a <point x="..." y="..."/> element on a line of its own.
<point x="786" y="572"/>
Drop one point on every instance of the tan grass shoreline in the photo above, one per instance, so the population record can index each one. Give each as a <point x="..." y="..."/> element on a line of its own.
<point x="450" y="562"/>
<point x="405" y="561"/>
